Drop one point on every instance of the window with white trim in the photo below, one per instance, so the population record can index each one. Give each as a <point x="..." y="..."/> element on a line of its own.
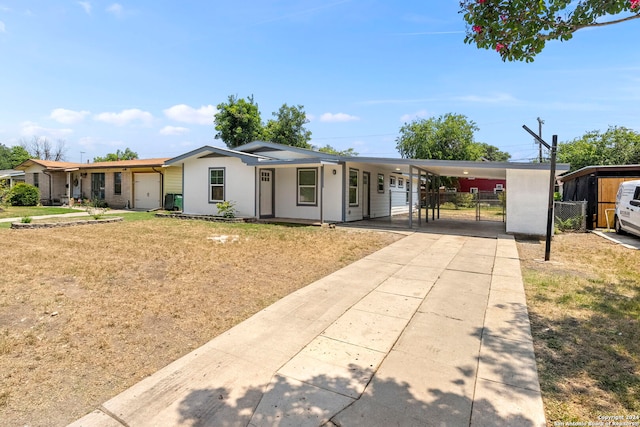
<point x="473" y="190"/>
<point x="216" y="185"/>
<point x="353" y="187"/>
<point x="392" y="181"/>
<point x="307" y="187"/>
<point x="400" y="183"/>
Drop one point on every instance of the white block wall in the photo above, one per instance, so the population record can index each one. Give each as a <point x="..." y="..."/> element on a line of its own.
<point x="527" y="201"/>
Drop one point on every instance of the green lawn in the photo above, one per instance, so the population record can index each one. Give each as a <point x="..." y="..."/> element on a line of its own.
<point x="20" y="211"/>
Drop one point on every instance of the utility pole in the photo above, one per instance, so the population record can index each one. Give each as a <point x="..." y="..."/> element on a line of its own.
<point x="540" y="123"/>
<point x="81" y="153"/>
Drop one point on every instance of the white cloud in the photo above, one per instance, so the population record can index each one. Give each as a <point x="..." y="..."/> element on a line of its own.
<point x="86" y="6"/>
<point x="3" y="29"/>
<point x="491" y="99"/>
<point x="173" y="130"/>
<point x="125" y="117"/>
<point x="338" y="117"/>
<point x="68" y="117"/>
<point x="34" y="129"/>
<point x="417" y="115"/>
<point x="115" y="9"/>
<point x="184" y="113"/>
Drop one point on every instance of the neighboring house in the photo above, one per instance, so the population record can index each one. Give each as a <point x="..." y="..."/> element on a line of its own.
<point x="475" y="185"/>
<point x="266" y="180"/>
<point x="598" y="186"/>
<point x="137" y="184"/>
<point x="11" y="177"/>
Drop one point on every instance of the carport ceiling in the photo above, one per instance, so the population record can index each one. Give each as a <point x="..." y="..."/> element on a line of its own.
<point x="490" y="170"/>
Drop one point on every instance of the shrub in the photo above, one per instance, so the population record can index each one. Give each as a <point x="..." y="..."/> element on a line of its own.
<point x="23" y="194"/>
<point x="226" y="209"/>
<point x="25" y="220"/>
<point x="464" y="200"/>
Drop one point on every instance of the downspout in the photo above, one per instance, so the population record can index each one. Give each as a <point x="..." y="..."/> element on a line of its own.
<point x="50" y="183"/>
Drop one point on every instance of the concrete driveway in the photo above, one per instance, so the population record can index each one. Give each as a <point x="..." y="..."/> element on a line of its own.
<point x="432" y="330"/>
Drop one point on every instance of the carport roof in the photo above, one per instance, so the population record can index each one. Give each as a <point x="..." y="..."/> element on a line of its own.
<point x="457" y="168"/>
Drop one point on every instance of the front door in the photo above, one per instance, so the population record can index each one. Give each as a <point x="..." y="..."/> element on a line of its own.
<point x="97" y="186"/>
<point x="266" y="193"/>
<point x="366" y="178"/>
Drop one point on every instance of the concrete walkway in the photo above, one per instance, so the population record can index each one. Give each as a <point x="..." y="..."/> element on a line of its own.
<point x="430" y="331"/>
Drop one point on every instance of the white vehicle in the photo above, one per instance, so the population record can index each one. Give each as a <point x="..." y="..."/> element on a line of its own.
<point x="627" y="217"/>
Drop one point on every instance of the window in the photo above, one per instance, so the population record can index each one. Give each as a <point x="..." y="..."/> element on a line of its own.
<point x="307" y="186"/>
<point x="216" y="185"/>
<point x="392" y="181"/>
<point x="117" y="183"/>
<point x="473" y="190"/>
<point x="380" y="183"/>
<point x="408" y="191"/>
<point x="400" y="183"/>
<point x="353" y="187"/>
<point x="36" y="179"/>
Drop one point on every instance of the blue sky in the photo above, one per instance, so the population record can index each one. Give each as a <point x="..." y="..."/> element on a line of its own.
<point x="147" y="75"/>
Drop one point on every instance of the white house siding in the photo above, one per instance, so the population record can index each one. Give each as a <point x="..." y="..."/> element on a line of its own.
<point x="239" y="186"/>
<point x="332" y="200"/>
<point x="527" y="201"/>
<point x="172" y="180"/>
<point x="286" y="194"/>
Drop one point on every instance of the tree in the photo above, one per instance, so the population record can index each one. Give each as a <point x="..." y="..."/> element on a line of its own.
<point x="127" y="154"/>
<point x="349" y="152"/>
<point x="519" y="29"/>
<point x="41" y="148"/>
<point x="238" y="121"/>
<point x="19" y="155"/>
<point x="491" y="153"/>
<point x="616" y="146"/>
<point x="448" y="137"/>
<point x="288" y="128"/>
<point x="5" y="157"/>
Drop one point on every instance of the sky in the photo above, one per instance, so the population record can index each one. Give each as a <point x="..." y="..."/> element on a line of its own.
<point x="148" y="75"/>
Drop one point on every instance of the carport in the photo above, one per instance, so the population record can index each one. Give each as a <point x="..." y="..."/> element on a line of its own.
<point x="527" y="186"/>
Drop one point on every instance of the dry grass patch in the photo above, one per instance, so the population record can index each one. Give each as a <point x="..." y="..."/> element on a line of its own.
<point x="584" y="308"/>
<point x="85" y="312"/>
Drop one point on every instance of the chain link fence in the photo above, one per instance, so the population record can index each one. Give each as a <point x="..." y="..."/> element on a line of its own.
<point x="571" y="216"/>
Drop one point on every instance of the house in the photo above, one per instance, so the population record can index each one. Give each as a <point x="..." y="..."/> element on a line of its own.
<point x="138" y="184"/>
<point x="475" y="185"/>
<point x="11" y="177"/>
<point x="266" y="180"/>
<point x="598" y="186"/>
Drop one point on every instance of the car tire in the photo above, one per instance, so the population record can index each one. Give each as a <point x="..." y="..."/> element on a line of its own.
<point x="617" y="226"/>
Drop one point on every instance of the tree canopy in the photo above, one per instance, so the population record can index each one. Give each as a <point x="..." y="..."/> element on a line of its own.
<point x="288" y="128"/>
<point x="349" y="152"/>
<point x="616" y="146"/>
<point x="238" y="121"/>
<point x="10" y="157"/>
<point x="448" y="137"/>
<point x="127" y="154"/>
<point x="491" y="153"/>
<point x="519" y="29"/>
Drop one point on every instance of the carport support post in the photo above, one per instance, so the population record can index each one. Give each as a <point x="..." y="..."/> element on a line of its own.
<point x="552" y="179"/>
